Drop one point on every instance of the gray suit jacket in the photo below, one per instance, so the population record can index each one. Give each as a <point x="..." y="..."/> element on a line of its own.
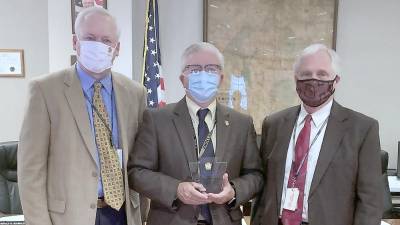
<point x="57" y="172"/>
<point x="165" y="146"/>
<point x="346" y="188"/>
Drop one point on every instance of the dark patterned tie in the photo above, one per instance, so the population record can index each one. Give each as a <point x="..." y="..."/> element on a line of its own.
<point x="208" y="153"/>
<point x="301" y="149"/>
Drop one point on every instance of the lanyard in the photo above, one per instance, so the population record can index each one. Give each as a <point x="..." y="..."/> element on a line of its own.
<point x="206" y="141"/>
<point x="308" y="149"/>
<point x="101" y="117"/>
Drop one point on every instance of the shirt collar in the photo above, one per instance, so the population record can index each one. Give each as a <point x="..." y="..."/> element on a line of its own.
<point x="87" y="81"/>
<point x="193" y="108"/>
<point x="318" y="117"/>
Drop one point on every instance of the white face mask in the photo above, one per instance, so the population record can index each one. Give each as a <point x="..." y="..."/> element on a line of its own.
<point x="95" y="56"/>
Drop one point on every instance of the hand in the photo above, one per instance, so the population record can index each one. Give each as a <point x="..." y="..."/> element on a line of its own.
<point x="192" y="193"/>
<point x="227" y="193"/>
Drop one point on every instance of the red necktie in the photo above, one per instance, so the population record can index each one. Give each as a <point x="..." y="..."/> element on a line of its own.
<point x="301" y="150"/>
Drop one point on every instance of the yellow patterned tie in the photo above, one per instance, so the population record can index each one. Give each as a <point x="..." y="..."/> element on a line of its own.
<point x="111" y="174"/>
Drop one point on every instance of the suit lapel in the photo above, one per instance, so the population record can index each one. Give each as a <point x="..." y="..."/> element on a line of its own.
<point x="332" y="138"/>
<point x="183" y="125"/>
<point x="280" y="153"/>
<point x="223" y="131"/>
<point x="121" y="104"/>
<point x="76" y="101"/>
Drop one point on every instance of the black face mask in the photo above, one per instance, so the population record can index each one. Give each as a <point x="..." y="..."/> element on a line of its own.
<point x="314" y="92"/>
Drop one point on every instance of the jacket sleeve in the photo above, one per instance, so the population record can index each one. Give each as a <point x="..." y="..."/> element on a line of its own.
<point x="144" y="202"/>
<point x="143" y="166"/>
<point x="369" y="192"/>
<point x="250" y="181"/>
<point x="33" y="153"/>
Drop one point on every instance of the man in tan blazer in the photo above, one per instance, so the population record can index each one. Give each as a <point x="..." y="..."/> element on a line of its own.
<point x="322" y="160"/>
<point x="78" y="129"/>
<point x="173" y="137"/>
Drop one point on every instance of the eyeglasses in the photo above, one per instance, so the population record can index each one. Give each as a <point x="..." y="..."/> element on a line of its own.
<point x="209" y="68"/>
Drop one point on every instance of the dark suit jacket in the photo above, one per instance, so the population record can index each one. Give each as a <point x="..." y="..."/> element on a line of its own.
<point x="165" y="146"/>
<point x="346" y="188"/>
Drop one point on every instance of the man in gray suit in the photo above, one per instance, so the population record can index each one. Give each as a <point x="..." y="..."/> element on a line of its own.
<point x="77" y="132"/>
<point x="195" y="128"/>
<point x="322" y="160"/>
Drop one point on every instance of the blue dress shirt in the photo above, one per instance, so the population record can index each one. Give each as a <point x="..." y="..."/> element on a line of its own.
<point x="107" y="93"/>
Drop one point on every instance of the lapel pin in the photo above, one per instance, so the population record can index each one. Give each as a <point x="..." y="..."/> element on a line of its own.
<point x="226" y="122"/>
<point x="208" y="165"/>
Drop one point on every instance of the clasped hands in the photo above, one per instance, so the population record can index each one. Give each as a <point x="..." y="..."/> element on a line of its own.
<point x="192" y="193"/>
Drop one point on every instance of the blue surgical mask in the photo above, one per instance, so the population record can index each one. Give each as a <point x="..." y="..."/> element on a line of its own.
<point x="203" y="86"/>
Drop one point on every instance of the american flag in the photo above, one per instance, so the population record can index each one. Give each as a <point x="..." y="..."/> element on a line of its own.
<point x="152" y="72"/>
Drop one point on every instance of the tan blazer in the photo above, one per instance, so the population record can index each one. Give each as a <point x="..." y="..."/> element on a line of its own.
<point x="165" y="146"/>
<point x="57" y="172"/>
<point x="346" y="188"/>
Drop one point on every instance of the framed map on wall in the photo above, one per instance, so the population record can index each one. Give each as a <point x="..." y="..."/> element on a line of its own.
<point x="260" y="40"/>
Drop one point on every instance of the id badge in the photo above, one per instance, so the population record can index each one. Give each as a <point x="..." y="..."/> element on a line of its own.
<point x="119" y="152"/>
<point x="292" y="195"/>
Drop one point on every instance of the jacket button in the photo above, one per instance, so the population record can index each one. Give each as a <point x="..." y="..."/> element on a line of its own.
<point x="93" y="206"/>
<point x="94" y="174"/>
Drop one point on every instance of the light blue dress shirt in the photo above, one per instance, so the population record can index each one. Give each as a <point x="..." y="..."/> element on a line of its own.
<point x="109" y="101"/>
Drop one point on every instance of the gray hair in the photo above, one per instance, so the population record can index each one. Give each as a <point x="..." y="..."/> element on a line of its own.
<point x="93" y="10"/>
<point x="201" y="46"/>
<point x="312" y="49"/>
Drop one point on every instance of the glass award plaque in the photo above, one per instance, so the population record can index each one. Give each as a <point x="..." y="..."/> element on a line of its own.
<point x="208" y="172"/>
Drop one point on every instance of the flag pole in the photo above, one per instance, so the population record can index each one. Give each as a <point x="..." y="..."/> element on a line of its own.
<point x="145" y="40"/>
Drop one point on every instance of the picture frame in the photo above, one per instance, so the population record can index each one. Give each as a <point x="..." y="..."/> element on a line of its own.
<point x="79" y="5"/>
<point x="12" y="63"/>
<point x="260" y="40"/>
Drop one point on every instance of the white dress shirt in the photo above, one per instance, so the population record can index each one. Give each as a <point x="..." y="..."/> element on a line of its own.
<point x="318" y="120"/>
<point x="210" y="120"/>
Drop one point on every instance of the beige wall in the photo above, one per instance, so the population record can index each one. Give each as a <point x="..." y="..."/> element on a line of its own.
<point x="369" y="44"/>
<point x="21" y="28"/>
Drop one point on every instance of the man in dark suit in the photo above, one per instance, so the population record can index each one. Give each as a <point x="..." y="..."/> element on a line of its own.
<point x="195" y="129"/>
<point x="322" y="160"/>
